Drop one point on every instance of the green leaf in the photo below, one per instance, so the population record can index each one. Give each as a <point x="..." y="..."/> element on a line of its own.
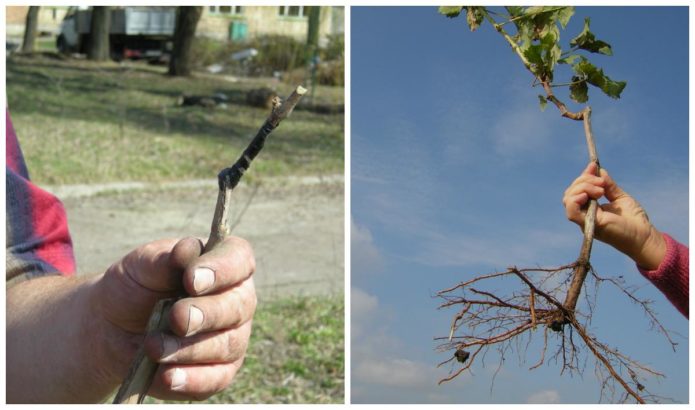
<point x="554" y="56"/>
<point x="550" y="34"/>
<point x="568" y="60"/>
<point x="515" y="11"/>
<point x="524" y="29"/>
<point x="543" y="102"/>
<point x="583" y="35"/>
<point x="551" y="50"/>
<point x="612" y="88"/>
<point x="564" y="15"/>
<point x="475" y="16"/>
<point x="596" y="77"/>
<point x="533" y="54"/>
<point x="579" y="91"/>
<point x="533" y="10"/>
<point x="450" y="11"/>
<point x="586" y="40"/>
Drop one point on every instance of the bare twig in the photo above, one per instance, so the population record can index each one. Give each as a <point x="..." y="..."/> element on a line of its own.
<point x="142" y="370"/>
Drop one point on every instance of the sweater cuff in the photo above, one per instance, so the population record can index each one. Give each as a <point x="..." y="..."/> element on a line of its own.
<point x="671" y="277"/>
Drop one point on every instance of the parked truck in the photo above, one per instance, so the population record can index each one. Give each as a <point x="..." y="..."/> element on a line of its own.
<point x="136" y="32"/>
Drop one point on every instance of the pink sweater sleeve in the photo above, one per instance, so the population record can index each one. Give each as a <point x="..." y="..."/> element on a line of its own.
<point x="671" y="277"/>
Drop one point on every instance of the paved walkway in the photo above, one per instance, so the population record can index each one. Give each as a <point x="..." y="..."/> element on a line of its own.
<point x="296" y="226"/>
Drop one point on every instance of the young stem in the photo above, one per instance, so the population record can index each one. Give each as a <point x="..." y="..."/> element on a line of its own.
<point x="550" y="96"/>
<point x="228" y="178"/>
<point x="583" y="265"/>
<point x="142" y="369"/>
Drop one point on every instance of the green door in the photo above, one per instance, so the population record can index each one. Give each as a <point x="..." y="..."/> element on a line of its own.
<point x="238" y="30"/>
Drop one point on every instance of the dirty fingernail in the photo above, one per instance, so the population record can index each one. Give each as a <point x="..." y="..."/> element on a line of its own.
<point x="195" y="320"/>
<point x="203" y="279"/>
<point x="178" y="379"/>
<point x="169" y="347"/>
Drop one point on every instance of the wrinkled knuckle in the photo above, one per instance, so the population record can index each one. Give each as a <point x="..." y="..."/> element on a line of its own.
<point x="234" y="310"/>
<point x="147" y="250"/>
<point x="245" y="251"/>
<point x="233" y="346"/>
<point x="253" y="302"/>
<point x="225" y="380"/>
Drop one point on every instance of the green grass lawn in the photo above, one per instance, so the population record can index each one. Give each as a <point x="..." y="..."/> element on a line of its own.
<point x="47" y="43"/>
<point x="296" y="354"/>
<point x="84" y="122"/>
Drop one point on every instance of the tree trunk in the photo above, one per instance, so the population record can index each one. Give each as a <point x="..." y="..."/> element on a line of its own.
<point x="312" y="46"/>
<point x="186" y="22"/>
<point x="312" y="40"/>
<point x="30" y="28"/>
<point x="98" y="47"/>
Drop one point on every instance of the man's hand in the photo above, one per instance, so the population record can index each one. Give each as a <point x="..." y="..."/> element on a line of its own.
<point x="621" y="223"/>
<point x="210" y="327"/>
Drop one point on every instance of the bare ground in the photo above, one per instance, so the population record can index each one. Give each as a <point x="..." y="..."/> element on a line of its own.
<point x="296" y="226"/>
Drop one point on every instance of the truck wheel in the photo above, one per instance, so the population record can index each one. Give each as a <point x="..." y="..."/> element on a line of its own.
<point x="117" y="55"/>
<point x="62" y="45"/>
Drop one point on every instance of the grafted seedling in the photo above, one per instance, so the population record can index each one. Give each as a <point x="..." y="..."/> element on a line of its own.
<point x="142" y="370"/>
<point x="546" y="298"/>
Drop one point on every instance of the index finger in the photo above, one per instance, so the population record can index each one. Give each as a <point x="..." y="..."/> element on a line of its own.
<point x="227" y="264"/>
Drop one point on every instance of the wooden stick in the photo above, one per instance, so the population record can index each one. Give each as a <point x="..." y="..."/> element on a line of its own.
<point x="142" y="369"/>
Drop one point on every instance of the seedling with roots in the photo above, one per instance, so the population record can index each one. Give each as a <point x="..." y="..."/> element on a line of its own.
<point x="546" y="298"/>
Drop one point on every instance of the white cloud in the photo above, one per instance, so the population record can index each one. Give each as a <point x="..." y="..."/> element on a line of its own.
<point x="363" y="309"/>
<point x="544" y="397"/>
<point x="379" y="358"/>
<point x="362" y="303"/>
<point x="520" y="130"/>
<point x="394" y="372"/>
<point x="521" y="248"/>
<point x="365" y="257"/>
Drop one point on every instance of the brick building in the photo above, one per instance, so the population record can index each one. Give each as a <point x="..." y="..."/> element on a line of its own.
<point x="232" y="23"/>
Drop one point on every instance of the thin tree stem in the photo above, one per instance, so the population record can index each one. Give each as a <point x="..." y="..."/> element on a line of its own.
<point x="142" y="370"/>
<point x="228" y="178"/>
<point x="583" y="265"/>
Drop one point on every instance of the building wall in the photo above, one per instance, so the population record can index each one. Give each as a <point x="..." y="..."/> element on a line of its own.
<point x="266" y="20"/>
<point x="261" y="20"/>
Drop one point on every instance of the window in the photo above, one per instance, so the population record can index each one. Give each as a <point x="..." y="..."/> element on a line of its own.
<point x="293" y="11"/>
<point x="228" y="10"/>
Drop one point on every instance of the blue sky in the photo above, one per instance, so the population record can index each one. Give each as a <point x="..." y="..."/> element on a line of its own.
<point x="457" y="172"/>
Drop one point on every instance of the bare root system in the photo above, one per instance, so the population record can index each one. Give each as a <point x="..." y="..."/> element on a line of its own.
<point x="488" y="319"/>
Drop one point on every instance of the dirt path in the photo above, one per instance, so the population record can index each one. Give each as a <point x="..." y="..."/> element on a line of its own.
<point x="295" y="225"/>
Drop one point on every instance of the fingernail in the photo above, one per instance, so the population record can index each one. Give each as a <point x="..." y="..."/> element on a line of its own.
<point x="170" y="346"/>
<point x="203" y="279"/>
<point x="178" y="379"/>
<point x="195" y="320"/>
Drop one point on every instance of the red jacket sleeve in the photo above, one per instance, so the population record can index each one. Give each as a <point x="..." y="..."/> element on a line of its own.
<point x="671" y="277"/>
<point x="38" y="240"/>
